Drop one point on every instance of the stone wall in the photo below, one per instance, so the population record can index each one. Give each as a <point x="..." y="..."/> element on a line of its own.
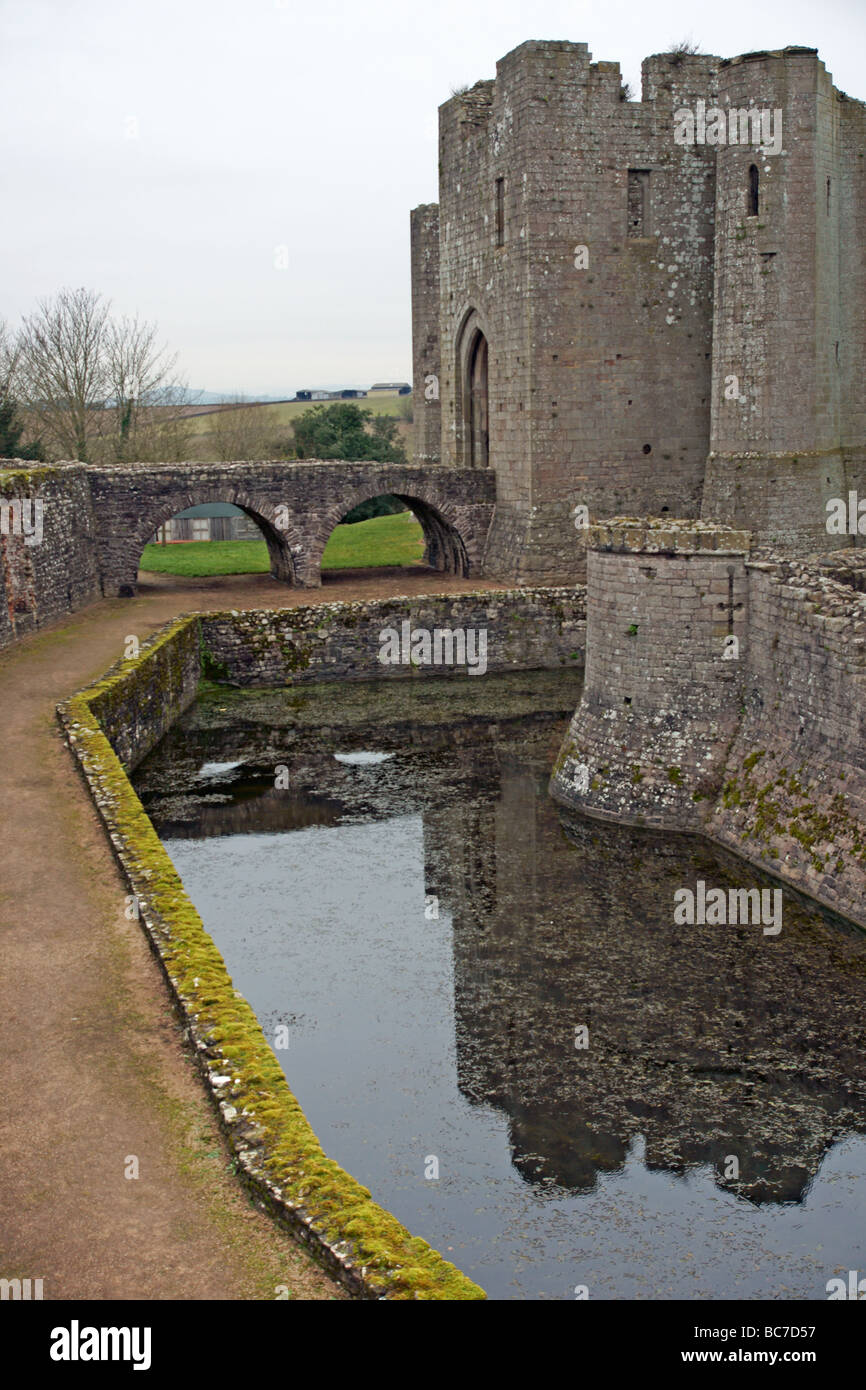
<point x="788" y="331"/>
<point x="793" y="797"/>
<point x="525" y="630"/>
<point x="850" y="201"/>
<point x="727" y="696"/>
<point x="47" y="545"/>
<point x="140" y="698"/>
<point x="660" y="701"/>
<point x="427" y="408"/>
<point x="598" y="379"/>
<point x="599" y="368"/>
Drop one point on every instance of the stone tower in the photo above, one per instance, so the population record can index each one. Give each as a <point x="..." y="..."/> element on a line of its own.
<point x="789" y="328"/>
<point x="595" y="275"/>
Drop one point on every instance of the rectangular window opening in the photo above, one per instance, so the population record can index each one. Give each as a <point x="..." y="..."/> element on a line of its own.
<point x="500" y="212"/>
<point x="638" y="203"/>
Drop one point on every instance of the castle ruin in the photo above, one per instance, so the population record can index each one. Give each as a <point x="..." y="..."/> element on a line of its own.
<point x="652" y="307"/>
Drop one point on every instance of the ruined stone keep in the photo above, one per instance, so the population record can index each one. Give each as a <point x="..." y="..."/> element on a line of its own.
<point x="615" y="311"/>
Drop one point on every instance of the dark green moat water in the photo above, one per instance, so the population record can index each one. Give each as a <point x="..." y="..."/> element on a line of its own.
<point x="435" y="936"/>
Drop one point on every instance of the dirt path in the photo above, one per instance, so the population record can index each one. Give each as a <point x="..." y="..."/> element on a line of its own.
<point x="94" y="1071"/>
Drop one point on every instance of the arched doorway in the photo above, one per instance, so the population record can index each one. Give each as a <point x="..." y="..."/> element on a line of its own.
<point x="473" y="411"/>
<point x="478" y="422"/>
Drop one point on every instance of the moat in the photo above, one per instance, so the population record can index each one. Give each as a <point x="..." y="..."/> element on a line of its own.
<point x="403" y="905"/>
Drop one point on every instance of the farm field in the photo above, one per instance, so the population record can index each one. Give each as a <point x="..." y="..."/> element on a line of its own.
<point x="384" y="540"/>
<point x="284" y="412"/>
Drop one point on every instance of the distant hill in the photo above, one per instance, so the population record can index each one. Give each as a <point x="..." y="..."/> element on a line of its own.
<point x="193" y="397"/>
<point x="202" y="397"/>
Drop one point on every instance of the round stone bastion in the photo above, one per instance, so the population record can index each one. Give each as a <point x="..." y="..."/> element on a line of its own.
<point x="666" y="640"/>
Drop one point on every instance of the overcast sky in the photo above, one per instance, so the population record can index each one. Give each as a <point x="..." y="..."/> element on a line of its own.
<point x="160" y="151"/>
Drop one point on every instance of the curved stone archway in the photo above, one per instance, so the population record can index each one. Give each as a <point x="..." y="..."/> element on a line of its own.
<point x="278" y="532"/>
<point x="445" y="548"/>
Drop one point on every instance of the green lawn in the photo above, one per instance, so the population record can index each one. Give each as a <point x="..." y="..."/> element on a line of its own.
<point x="386" y="540"/>
<point x="195" y="559"/>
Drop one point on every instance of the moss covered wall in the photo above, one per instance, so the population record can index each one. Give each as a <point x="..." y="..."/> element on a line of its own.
<point x="793" y="797"/>
<point x="138" y="700"/>
<point x="113" y="723"/>
<point x="526" y="629"/>
<point x="765" y="750"/>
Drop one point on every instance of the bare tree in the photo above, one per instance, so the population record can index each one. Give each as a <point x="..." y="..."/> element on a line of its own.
<point x="100" y="389"/>
<point x="17" y="439"/>
<point x="62" y="369"/>
<point x="9" y="354"/>
<point x="142" y="387"/>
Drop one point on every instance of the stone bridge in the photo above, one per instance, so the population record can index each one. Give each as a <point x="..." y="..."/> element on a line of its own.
<point x="296" y="506"/>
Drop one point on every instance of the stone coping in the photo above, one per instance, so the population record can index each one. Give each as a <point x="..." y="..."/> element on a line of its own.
<point x="666" y="536"/>
<point x="484" y="476"/>
<point x="279" y="1157"/>
<point x="31" y="472"/>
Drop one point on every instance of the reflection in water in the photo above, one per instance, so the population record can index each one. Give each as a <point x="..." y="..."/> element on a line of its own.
<point x="437" y="934"/>
<point x="363" y="758"/>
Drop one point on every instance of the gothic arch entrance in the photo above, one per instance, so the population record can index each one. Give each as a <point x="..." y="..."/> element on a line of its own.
<point x="479" y="429"/>
<point x="473" y="411"/>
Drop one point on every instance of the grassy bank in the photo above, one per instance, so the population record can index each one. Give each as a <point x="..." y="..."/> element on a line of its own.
<point x="385" y="540"/>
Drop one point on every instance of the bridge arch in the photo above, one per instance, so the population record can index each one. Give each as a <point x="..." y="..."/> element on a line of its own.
<point x="446" y="548"/>
<point x="278" y="528"/>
